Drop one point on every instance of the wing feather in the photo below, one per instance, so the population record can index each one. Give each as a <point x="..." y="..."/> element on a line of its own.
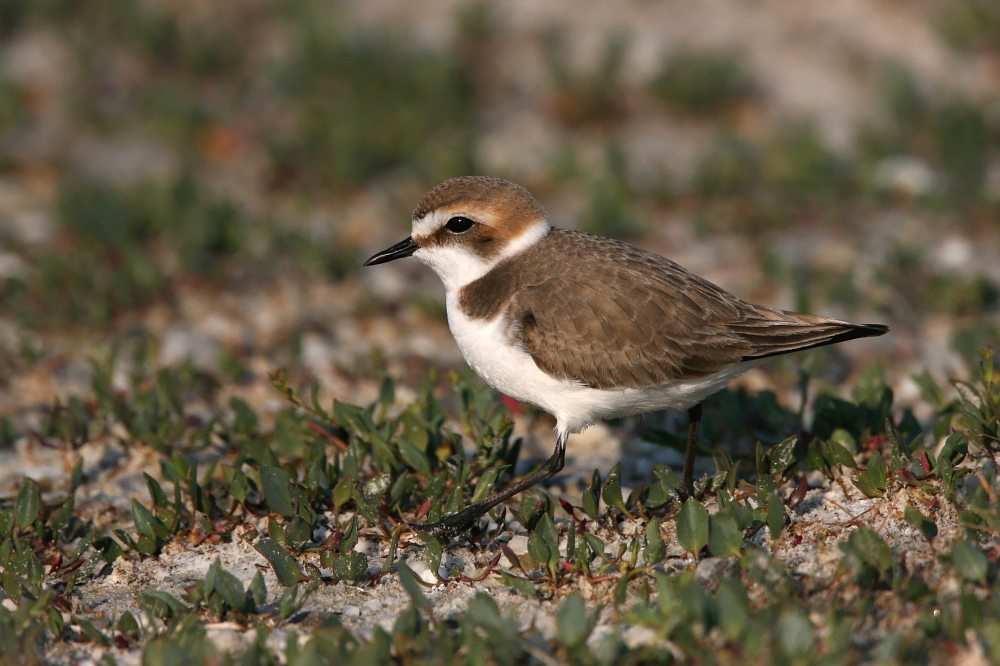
<point x="637" y="319"/>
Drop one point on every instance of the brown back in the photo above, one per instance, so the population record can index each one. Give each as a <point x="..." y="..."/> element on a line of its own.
<point x="611" y="315"/>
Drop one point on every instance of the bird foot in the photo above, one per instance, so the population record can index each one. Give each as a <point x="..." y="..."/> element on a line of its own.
<point x="453" y="524"/>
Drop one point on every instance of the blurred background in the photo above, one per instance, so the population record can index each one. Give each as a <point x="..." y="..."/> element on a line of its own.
<point x="197" y="183"/>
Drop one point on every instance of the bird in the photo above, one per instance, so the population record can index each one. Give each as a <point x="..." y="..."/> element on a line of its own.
<point x="584" y="327"/>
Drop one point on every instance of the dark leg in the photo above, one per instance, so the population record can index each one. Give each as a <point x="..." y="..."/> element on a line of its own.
<point x="694" y="421"/>
<point x="456" y="523"/>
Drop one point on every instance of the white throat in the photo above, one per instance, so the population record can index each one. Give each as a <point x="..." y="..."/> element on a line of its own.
<point x="458" y="266"/>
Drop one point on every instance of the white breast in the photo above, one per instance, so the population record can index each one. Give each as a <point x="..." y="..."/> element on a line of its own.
<point x="511" y="370"/>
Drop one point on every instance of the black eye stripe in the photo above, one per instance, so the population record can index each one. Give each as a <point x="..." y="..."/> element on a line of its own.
<point x="459" y="225"/>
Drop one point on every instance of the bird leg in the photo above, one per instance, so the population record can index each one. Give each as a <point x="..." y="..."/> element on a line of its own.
<point x="687" y="480"/>
<point x="456" y="523"/>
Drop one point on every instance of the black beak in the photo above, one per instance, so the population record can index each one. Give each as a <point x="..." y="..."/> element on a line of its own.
<point x="401" y="249"/>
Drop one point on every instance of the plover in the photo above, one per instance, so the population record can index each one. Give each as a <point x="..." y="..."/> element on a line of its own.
<point x="585" y="327"/>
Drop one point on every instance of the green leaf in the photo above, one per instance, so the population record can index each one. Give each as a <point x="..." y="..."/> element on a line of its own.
<point x="836" y="454"/>
<point x="434" y="552"/>
<point x="355" y="419"/>
<point x="528" y="511"/>
<point x="258" y="590"/>
<point x="765" y="487"/>
<point x="238" y="485"/>
<point x="845" y="438"/>
<point x="595" y="544"/>
<point x="590" y="504"/>
<point x="412" y="587"/>
<point x="298" y="533"/>
<point x="920" y="522"/>
<point x="231" y="589"/>
<point x="876" y="471"/>
<point x="782" y="455"/>
<point x="621" y="587"/>
<point x="900" y="450"/>
<point x="414" y="457"/>
<point x="170" y="520"/>
<point x="11" y="586"/>
<point x="368" y="506"/>
<point x="486" y="483"/>
<point x="692" y="526"/>
<point x="27" y="566"/>
<point x="393" y="545"/>
<point x="275" y="531"/>
<point x="539" y="550"/>
<point x="61" y="518"/>
<point x="246" y="418"/>
<point x="546" y="528"/>
<point x="27" y="504"/>
<point x="656" y="549"/>
<point x="92" y="632"/>
<point x="483" y="611"/>
<point x="146" y="545"/>
<point x="128" y="625"/>
<point x="725" y="538"/>
<point x="147" y="524"/>
<point x="276" y="491"/>
<point x="612" y="491"/>
<point x="870" y="547"/>
<point x="56" y="623"/>
<point x="733" y="607"/>
<point x="285" y="568"/>
<point x="212" y="576"/>
<point x="387" y="392"/>
<point x="969" y="561"/>
<point x="291" y="600"/>
<point x="668" y="479"/>
<point x="573" y="622"/>
<point x="161" y="604"/>
<point x="862" y="483"/>
<point x="350" y="538"/>
<point x="794" y="633"/>
<point x="775" y="516"/>
<point x="109" y="549"/>
<point x="350" y="566"/>
<point x="76" y="477"/>
<point x="342" y="491"/>
<point x="522" y="586"/>
<point x="814" y="459"/>
<point x="156" y="491"/>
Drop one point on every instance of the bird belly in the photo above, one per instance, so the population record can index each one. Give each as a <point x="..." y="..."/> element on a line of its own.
<point x="508" y="368"/>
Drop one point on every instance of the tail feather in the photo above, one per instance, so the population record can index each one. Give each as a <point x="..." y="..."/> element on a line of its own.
<point x="796" y="332"/>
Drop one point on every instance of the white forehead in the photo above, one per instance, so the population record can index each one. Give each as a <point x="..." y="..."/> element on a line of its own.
<point x="431" y="222"/>
<point x="436" y="219"/>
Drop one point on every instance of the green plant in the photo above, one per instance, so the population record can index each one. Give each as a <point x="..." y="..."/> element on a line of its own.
<point x="702" y="82"/>
<point x="592" y="96"/>
<point x="370" y="103"/>
<point x="611" y="211"/>
<point x="970" y="25"/>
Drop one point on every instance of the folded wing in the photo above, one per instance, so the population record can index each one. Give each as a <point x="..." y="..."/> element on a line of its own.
<point x="638" y="320"/>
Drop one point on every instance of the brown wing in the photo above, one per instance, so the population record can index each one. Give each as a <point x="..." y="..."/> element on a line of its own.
<point x="637" y="319"/>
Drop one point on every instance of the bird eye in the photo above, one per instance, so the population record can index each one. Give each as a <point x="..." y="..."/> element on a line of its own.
<point x="459" y="225"/>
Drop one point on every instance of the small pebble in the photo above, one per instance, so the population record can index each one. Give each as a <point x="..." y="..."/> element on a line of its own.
<point x="372" y="606"/>
<point x="351" y="611"/>
<point x="366" y="546"/>
<point x="636" y="637"/>
<point x="420" y="569"/>
<point x="711" y="570"/>
<point x="519" y="544"/>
